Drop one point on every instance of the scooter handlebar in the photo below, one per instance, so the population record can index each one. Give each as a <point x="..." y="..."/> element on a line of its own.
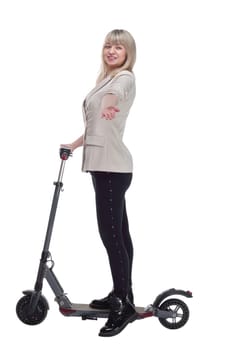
<point x="65" y="153"/>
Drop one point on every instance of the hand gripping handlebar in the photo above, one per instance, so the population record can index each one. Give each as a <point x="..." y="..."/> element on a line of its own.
<point x="65" y="153"/>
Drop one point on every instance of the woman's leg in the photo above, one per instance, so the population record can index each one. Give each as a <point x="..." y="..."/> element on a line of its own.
<point x="110" y="189"/>
<point x="113" y="225"/>
<point x="129" y="247"/>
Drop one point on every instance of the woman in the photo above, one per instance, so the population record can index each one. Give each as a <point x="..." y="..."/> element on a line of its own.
<point x="108" y="160"/>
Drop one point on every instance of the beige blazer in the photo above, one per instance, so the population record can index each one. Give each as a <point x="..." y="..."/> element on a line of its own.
<point x="103" y="148"/>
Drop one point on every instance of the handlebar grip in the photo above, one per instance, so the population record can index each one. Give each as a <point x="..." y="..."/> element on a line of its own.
<point x="65" y="153"/>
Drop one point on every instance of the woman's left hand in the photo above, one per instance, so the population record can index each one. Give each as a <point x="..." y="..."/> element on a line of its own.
<point x="109" y="113"/>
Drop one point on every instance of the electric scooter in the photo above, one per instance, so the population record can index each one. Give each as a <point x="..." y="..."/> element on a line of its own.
<point x="32" y="308"/>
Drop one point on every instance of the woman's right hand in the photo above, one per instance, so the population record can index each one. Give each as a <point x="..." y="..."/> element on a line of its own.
<point x="67" y="146"/>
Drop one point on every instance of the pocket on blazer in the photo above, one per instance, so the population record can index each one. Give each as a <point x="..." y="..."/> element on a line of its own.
<point x="95" y="140"/>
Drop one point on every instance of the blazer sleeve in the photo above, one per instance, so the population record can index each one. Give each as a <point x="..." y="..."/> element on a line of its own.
<point x="121" y="86"/>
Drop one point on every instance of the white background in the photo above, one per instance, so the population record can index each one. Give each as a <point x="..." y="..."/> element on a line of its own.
<point x="180" y="135"/>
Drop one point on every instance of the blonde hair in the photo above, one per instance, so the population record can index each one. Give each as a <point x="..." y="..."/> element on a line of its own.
<point x="119" y="37"/>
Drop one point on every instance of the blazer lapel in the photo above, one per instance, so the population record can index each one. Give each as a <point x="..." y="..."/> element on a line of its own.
<point x="92" y="92"/>
<point x="102" y="83"/>
<point x="98" y="87"/>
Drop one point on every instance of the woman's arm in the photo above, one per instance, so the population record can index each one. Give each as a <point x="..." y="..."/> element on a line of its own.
<point x="108" y="111"/>
<point x="109" y="106"/>
<point x="72" y="146"/>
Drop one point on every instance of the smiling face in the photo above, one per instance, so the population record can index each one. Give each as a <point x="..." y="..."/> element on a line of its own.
<point x="118" y="53"/>
<point x="114" y="55"/>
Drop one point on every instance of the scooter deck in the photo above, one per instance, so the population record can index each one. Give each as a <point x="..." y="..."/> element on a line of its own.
<point x="86" y="312"/>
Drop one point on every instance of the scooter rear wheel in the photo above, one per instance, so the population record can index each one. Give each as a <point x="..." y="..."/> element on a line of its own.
<point x="180" y="313"/>
<point x="26" y="316"/>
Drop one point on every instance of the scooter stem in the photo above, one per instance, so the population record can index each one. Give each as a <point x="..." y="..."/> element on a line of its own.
<point x="64" y="155"/>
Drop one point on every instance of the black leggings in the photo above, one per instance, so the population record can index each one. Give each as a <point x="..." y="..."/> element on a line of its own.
<point x="110" y="189"/>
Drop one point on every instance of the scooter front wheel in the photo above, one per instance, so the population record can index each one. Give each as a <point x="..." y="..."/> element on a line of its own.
<point x="180" y="313"/>
<point x="31" y="318"/>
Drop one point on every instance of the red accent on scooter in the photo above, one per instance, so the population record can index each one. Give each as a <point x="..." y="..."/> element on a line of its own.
<point x="64" y="156"/>
<point x="66" y="312"/>
<point x="145" y="314"/>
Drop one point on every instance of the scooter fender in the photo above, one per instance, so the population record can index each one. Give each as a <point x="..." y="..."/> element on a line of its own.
<point x="167" y="293"/>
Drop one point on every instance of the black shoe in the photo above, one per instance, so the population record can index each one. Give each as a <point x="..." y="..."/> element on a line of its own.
<point x="131" y="296"/>
<point x="121" y="314"/>
<point x="104" y="303"/>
